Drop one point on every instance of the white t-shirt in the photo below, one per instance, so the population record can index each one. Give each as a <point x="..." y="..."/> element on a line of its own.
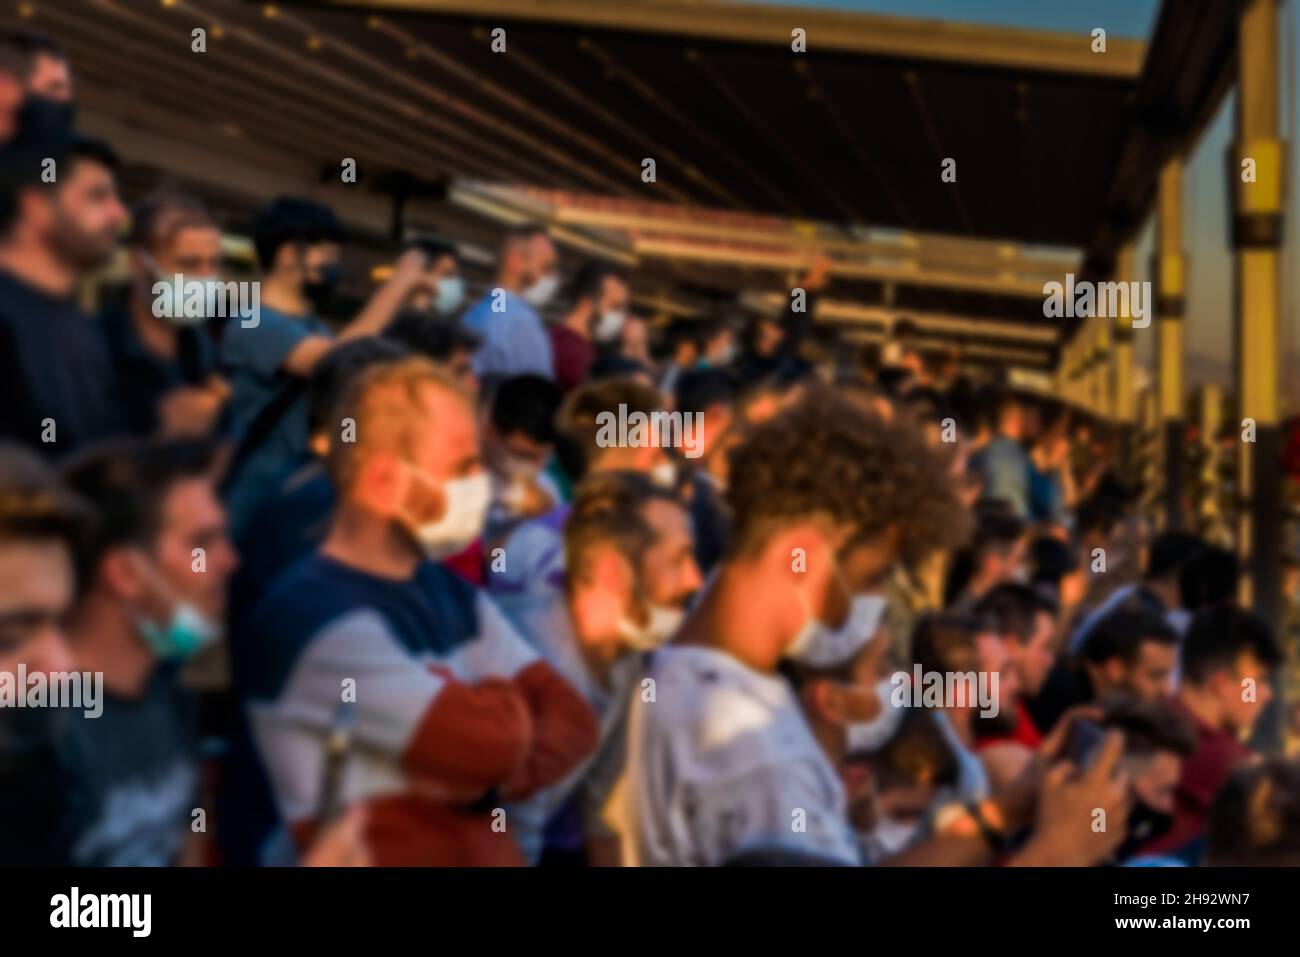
<point x="722" y="763"/>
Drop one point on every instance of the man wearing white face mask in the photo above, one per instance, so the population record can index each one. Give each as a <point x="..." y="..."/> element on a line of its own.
<point x="533" y="570"/>
<point x="528" y="276"/>
<point x="723" y="766"/>
<point x="599" y="297"/>
<point x="631" y="571"/>
<point x="153" y="585"/>
<point x="444" y="291"/>
<point x="454" y="713"/>
<point x="167" y="366"/>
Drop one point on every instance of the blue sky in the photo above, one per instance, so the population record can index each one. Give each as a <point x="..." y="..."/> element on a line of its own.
<point x="1128" y="18"/>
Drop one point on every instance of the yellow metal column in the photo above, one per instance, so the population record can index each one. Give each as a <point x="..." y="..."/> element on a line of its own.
<point x="1123" y="398"/>
<point x="1170" y="270"/>
<point x="1256" y="172"/>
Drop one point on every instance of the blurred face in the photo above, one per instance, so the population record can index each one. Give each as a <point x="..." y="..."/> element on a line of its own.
<point x="36" y="588"/>
<point x="721" y="347"/>
<point x="669" y="575"/>
<point x="1232" y="690"/>
<point x="460" y="365"/>
<point x="51" y="78"/>
<point x="768" y="338"/>
<point x="192" y="251"/>
<point x="1153" y="778"/>
<point x="414" y="489"/>
<point x="1033" y="659"/>
<point x="194" y="519"/>
<point x="319" y="260"/>
<point x="992" y="656"/>
<point x="1149" y="676"/>
<point x="81" y="220"/>
<point x="542" y="259"/>
<point x="857" y="569"/>
<point x="11" y="100"/>
<point x="613" y="296"/>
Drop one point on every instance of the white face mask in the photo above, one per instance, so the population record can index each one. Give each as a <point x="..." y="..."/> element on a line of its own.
<point x="821" y="646"/>
<point x="462" y="520"/>
<point x="861" y="737"/>
<point x="541" y="292"/>
<point x="608" y="325"/>
<point x="888" y="838"/>
<point x="662" y="625"/>
<point x="176" y="293"/>
<point x="451" y="293"/>
<point x="664" y="475"/>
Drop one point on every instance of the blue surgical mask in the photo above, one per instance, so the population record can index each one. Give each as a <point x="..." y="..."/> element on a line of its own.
<point x="187" y="632"/>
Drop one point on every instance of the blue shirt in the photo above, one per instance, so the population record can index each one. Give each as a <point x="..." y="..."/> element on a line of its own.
<point x="253" y="358"/>
<point x="514" y="340"/>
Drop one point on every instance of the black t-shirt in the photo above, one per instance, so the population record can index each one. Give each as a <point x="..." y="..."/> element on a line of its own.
<point x="133" y="776"/>
<point x="146" y="378"/>
<point x="54" y="363"/>
<point x="33" y="826"/>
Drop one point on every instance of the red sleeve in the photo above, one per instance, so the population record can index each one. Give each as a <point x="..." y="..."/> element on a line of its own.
<point x="565" y="729"/>
<point x="472" y="736"/>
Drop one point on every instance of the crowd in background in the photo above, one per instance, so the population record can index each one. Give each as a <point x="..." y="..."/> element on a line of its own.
<point x="378" y="587"/>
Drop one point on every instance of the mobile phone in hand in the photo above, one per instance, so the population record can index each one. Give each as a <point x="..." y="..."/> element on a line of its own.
<point x="338" y="746"/>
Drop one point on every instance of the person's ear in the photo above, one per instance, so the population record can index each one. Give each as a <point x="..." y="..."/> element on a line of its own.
<point x="611" y="575"/>
<point x="120" y="574"/>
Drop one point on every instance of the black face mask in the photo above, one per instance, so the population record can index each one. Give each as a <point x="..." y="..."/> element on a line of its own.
<point x="321" y="289"/>
<point x="41" y="117"/>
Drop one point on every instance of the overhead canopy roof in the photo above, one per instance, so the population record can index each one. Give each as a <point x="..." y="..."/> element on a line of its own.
<point x="1055" y="145"/>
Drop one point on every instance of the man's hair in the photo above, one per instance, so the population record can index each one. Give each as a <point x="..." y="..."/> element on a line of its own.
<point x="997" y="527"/>
<point x="522" y="232"/>
<point x="162" y="214"/>
<point x="578" y="426"/>
<point x="1208" y="578"/>
<point x="19" y="50"/>
<point x="1122" y="632"/>
<point x="917" y="755"/>
<point x="439" y="339"/>
<point x="1051" y="560"/>
<point x="1099" y="514"/>
<point x="434" y="249"/>
<point x="589" y="281"/>
<point x="340" y="366"/>
<point x="1255" y="819"/>
<point x="291" y="220"/>
<point x="1170" y="552"/>
<point x="830" y="454"/>
<point x="383" y="401"/>
<point x="21" y="165"/>
<point x="1218" y="636"/>
<point x="1010" y="609"/>
<point x="126" y="482"/>
<point x="944" y="642"/>
<point x="609" y="509"/>
<point x="701" y="389"/>
<point x="526" y="403"/>
<point x="1149" y="726"/>
<point x="35" y="504"/>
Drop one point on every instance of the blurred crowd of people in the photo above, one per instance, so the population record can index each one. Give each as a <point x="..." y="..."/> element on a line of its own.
<point x="380" y="588"/>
